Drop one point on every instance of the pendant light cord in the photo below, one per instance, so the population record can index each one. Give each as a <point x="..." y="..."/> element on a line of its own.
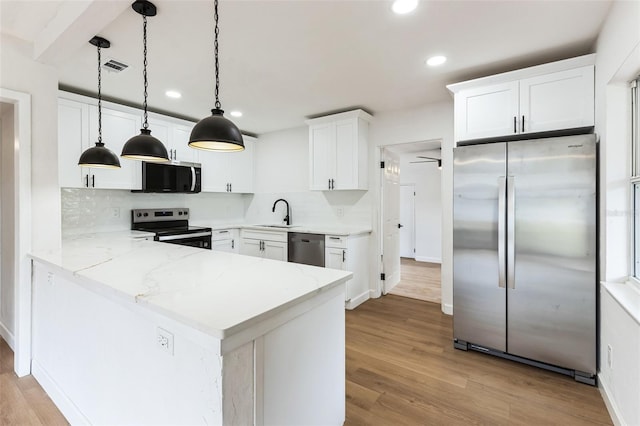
<point x="99" y="94"/>
<point x="144" y="68"/>
<point x="215" y="49"/>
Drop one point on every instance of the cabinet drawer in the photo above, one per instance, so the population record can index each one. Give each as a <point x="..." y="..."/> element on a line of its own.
<point x="264" y="235"/>
<point x="337" y="241"/>
<point x="222" y="234"/>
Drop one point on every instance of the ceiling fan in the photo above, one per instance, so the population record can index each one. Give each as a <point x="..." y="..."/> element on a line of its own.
<point x="429" y="160"/>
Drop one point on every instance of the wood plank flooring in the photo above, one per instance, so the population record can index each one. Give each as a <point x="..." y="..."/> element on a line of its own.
<point x="419" y="280"/>
<point x="402" y="369"/>
<point x="22" y="400"/>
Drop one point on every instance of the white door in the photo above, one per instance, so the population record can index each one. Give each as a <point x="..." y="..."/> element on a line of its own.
<point x="214" y="171"/>
<point x="487" y="111"/>
<point x="322" y="141"/>
<point x="560" y="100"/>
<point x="407" y="220"/>
<point x="346" y="155"/>
<point x="180" y="144"/>
<point x="390" y="219"/>
<point x="241" y="170"/>
<point x="223" y="245"/>
<point x="275" y="250"/>
<point x="251" y="247"/>
<point x="335" y="258"/>
<point x="73" y="137"/>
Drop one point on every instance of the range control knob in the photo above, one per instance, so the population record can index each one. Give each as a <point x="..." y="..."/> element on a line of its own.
<point x="146" y="214"/>
<point x="138" y="214"/>
<point x="186" y="212"/>
<point x="179" y="213"/>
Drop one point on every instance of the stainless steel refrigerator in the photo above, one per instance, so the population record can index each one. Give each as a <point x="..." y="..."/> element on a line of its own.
<point x="524" y="252"/>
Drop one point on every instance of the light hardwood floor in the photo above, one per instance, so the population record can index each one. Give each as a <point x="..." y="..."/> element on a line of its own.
<point x="22" y="400"/>
<point x="401" y="370"/>
<point x="419" y="280"/>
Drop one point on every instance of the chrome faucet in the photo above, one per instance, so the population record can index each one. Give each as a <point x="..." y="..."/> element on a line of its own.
<point x="287" y="220"/>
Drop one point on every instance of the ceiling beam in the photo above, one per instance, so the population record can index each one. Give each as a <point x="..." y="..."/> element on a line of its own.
<point x="76" y="22"/>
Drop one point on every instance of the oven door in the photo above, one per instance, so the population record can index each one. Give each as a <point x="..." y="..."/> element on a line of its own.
<point x="197" y="239"/>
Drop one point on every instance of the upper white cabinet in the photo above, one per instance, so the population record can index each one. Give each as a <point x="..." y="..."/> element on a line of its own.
<point x="175" y="136"/>
<point x="338" y="151"/>
<point x="78" y="130"/>
<point x="548" y="97"/>
<point x="228" y="171"/>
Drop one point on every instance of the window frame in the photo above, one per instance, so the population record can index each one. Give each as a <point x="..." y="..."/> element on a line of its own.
<point x="634" y="182"/>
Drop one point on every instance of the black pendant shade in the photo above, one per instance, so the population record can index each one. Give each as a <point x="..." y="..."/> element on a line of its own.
<point x="145" y="147"/>
<point x="99" y="156"/>
<point x="216" y="133"/>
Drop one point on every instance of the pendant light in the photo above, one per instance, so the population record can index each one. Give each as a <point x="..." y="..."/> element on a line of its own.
<point x="216" y="133"/>
<point x="99" y="156"/>
<point x="144" y="146"/>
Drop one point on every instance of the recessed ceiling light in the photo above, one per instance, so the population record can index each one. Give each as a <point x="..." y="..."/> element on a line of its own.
<point x="236" y="113"/>
<point x="173" y="94"/>
<point x="434" y="61"/>
<point x="402" y="7"/>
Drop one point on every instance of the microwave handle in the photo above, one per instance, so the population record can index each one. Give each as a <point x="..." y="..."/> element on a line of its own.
<point x="193" y="179"/>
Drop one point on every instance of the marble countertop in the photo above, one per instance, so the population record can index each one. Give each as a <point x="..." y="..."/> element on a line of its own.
<point x="215" y="292"/>
<point x="345" y="230"/>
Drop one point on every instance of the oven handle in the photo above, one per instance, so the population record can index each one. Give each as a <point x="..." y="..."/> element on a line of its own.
<point x="184" y="236"/>
<point x="193" y="179"/>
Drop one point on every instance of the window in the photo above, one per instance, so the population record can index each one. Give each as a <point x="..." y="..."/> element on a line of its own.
<point x="635" y="175"/>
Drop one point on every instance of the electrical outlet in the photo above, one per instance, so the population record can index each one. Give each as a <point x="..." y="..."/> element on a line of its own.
<point x="340" y="211"/>
<point x="50" y="278"/>
<point x="609" y="356"/>
<point x="164" y="340"/>
<point x="115" y="212"/>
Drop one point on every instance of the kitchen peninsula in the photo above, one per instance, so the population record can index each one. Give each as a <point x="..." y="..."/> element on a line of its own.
<point x="132" y="331"/>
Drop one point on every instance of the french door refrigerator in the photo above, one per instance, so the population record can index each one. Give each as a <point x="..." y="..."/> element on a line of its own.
<point x="524" y="250"/>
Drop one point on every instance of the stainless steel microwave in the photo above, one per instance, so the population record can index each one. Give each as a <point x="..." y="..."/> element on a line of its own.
<point x="171" y="177"/>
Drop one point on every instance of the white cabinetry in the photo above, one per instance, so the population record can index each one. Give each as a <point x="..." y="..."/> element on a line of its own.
<point x="225" y="240"/>
<point x="548" y="97"/>
<point x="78" y="130"/>
<point x="338" y="151"/>
<point x="228" y="171"/>
<point x="174" y="134"/>
<point x="266" y="244"/>
<point x="350" y="254"/>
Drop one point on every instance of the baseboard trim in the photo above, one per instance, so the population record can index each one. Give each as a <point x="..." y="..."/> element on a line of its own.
<point x="447" y="308"/>
<point x="428" y="259"/>
<point x="68" y="409"/>
<point x="8" y="337"/>
<point x="609" y="402"/>
<point x="358" y="300"/>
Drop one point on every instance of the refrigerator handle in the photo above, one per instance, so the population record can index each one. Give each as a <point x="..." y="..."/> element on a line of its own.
<point x="502" y="265"/>
<point x="511" y="232"/>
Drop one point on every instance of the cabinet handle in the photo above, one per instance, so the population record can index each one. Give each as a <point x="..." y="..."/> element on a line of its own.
<point x="334" y="238"/>
<point x="329" y="184"/>
<point x="233" y="244"/>
<point x="86" y="181"/>
<point x="230" y="187"/>
<point x="223" y="232"/>
<point x="522" y="124"/>
<point x="332" y="184"/>
<point x="344" y="253"/>
<point x="515" y="124"/>
<point x="93" y="181"/>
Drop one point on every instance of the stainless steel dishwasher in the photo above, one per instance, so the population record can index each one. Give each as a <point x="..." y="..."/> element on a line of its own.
<point x="306" y="248"/>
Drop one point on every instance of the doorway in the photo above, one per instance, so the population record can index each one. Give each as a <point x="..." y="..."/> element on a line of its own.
<point x="419" y="210"/>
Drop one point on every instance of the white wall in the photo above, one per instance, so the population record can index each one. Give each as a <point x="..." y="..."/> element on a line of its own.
<point x="617" y="62"/>
<point x="20" y="72"/>
<point x="428" y="204"/>
<point x="7" y="228"/>
<point x="92" y="210"/>
<point x="431" y="122"/>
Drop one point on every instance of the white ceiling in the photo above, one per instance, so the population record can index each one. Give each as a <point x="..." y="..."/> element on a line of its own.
<point x="282" y="61"/>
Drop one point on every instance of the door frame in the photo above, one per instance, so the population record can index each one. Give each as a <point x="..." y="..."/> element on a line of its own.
<point x="413" y="224"/>
<point x="22" y="210"/>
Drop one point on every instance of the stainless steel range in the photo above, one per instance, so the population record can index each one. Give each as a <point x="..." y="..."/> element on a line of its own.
<point x="171" y="226"/>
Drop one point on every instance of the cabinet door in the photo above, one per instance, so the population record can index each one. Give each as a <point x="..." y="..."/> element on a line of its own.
<point x="223" y="245"/>
<point x="561" y="100"/>
<point x="487" y="111"/>
<point x="180" y="143"/>
<point x="322" y="155"/>
<point x="275" y="250"/>
<point x="336" y="258"/>
<point x="117" y="128"/>
<point x="251" y="247"/>
<point x="240" y="167"/>
<point x="214" y="171"/>
<point x="73" y="138"/>
<point x="346" y="155"/>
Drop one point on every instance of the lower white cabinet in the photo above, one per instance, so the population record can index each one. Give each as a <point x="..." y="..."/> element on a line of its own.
<point x="225" y="240"/>
<point x="265" y="244"/>
<point x="349" y="253"/>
